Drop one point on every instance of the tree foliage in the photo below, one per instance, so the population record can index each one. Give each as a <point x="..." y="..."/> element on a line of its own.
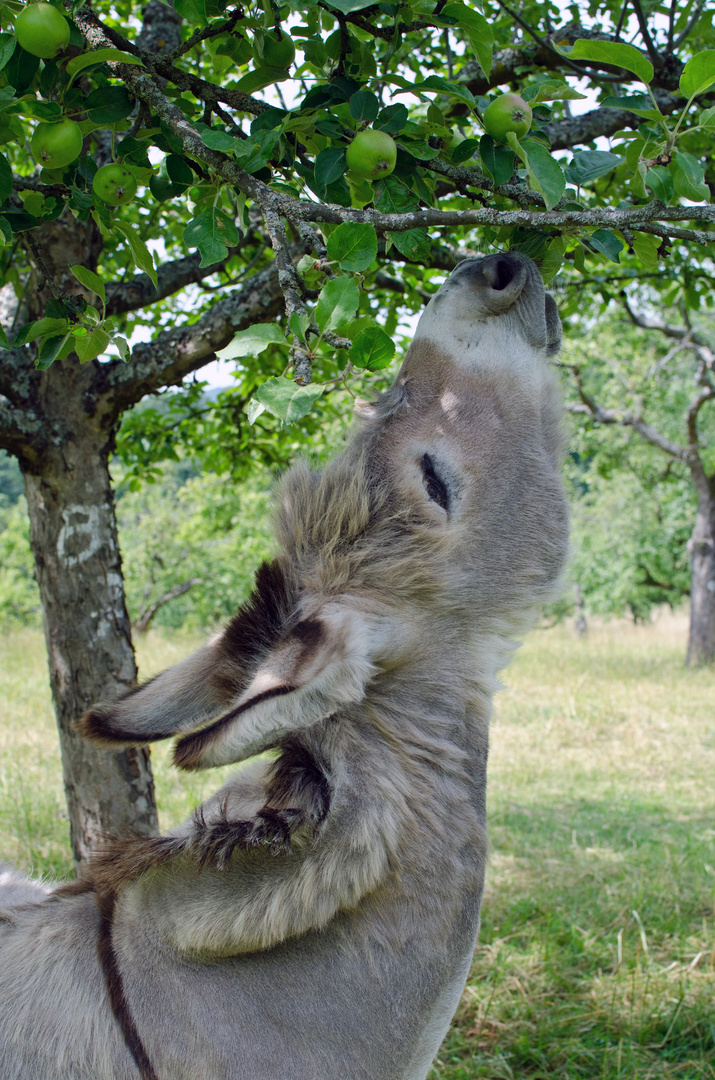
<point x="241" y="168"/>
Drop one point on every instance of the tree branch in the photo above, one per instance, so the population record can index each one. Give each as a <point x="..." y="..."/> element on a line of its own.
<point x="677" y="333"/>
<point x="21" y="430"/>
<point x="610" y="417"/>
<point x="707" y="393"/>
<point x="176" y="353"/>
<point x="147" y="613"/>
<point x="100" y="36"/>
<point x="645" y="35"/>
<point x="507" y="63"/>
<point x="598" y="123"/>
<point x="139" y="292"/>
<point x="694" y="19"/>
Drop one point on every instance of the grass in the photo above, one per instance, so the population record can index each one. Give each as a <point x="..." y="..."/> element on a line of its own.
<point x="596" y="955"/>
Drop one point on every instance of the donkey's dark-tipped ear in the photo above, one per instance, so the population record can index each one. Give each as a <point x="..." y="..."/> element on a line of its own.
<point x="189" y="694"/>
<point x="319" y="665"/>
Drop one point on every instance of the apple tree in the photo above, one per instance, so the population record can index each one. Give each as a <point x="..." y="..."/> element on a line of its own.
<point x="278" y="182"/>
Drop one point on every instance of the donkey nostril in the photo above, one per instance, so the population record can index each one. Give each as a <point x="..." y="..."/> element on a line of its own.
<point x="499" y="273"/>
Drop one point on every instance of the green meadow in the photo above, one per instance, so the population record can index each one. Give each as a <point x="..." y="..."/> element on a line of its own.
<point x="597" y="950"/>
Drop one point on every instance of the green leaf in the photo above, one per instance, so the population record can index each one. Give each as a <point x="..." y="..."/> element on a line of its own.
<point x="348" y="6"/>
<point x="99" y="56"/>
<point x="192" y="11"/>
<point x="372" y="349"/>
<point x="260" y="78"/>
<point x="353" y="245"/>
<point x="640" y="104"/>
<point x="689" y="178"/>
<point x="607" y="243"/>
<point x="7" y="97"/>
<point x="21" y="69"/>
<point x="329" y="166"/>
<point x="550" y="91"/>
<point x="212" y="232"/>
<point x="220" y="140"/>
<point x="108" y="104"/>
<point x="545" y="172"/>
<point x="253" y="341"/>
<point x="392" y="118"/>
<point x="178" y="172"/>
<point x="337" y="303"/>
<point x="707" y="118"/>
<point x="464" y="151"/>
<point x="4" y="343"/>
<point x="698" y="74"/>
<point x="93" y="345"/>
<point x="5" y="229"/>
<point x="90" y="281"/>
<point x="140" y="252"/>
<point x="477" y="30"/>
<point x="498" y="160"/>
<point x="364" y="106"/>
<point x="7" y="48"/>
<point x="38" y="328"/>
<point x="436" y="83"/>
<point x="286" y="400"/>
<point x="298" y="324"/>
<point x="53" y="348"/>
<point x="412" y="243"/>
<point x="611" y="52"/>
<point x="5" y="178"/>
<point x="646" y="248"/>
<point x="391" y="196"/>
<point x="660" y="181"/>
<point x="589" y="164"/>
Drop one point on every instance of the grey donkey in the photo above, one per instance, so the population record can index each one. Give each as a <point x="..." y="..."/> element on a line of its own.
<point x="316" y="918"/>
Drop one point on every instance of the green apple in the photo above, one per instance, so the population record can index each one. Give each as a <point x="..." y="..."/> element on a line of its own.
<point x="508" y="112"/>
<point x="278" y="52"/>
<point x="114" y="184"/>
<point x="371" y="155"/>
<point x="56" y="145"/>
<point x="42" y="30"/>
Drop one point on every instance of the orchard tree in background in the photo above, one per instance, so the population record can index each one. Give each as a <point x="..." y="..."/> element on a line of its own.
<point x="185" y="168"/>
<point x="661" y="391"/>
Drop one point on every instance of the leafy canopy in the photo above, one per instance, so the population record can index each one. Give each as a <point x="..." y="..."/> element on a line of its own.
<point x="235" y="121"/>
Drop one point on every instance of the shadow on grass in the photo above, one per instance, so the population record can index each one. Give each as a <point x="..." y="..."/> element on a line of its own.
<point x="595" y="958"/>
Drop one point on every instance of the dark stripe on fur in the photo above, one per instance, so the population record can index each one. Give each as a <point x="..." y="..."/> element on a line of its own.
<point x="299" y="781"/>
<point x="115" y="987"/>
<point x="188" y="750"/>
<point x="257" y="625"/>
<point x="96" y="724"/>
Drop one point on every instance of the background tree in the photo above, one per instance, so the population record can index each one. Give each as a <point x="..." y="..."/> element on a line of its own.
<point x="209" y="155"/>
<point x="655" y="378"/>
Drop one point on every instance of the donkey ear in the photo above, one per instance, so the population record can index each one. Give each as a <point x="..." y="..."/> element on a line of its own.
<point x="212" y="680"/>
<point x="319" y="665"/>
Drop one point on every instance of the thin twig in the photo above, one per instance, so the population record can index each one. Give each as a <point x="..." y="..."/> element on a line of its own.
<point x="621" y="20"/>
<point x="695" y="18"/>
<point x="645" y="34"/>
<point x="579" y="68"/>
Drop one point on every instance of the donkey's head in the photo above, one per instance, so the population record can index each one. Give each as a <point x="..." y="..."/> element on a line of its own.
<point x="444" y="519"/>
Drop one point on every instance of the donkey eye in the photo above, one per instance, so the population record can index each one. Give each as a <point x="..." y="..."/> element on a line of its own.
<point x="434" y="486"/>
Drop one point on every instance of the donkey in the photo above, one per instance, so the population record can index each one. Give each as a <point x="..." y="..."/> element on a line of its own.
<point x="316" y="918"/>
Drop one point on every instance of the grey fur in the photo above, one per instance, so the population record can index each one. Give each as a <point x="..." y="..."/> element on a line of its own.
<point x="316" y="919"/>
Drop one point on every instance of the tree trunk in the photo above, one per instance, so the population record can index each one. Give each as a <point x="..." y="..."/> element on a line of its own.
<point x="701" y="640"/>
<point x="77" y="563"/>
<point x="88" y="635"/>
